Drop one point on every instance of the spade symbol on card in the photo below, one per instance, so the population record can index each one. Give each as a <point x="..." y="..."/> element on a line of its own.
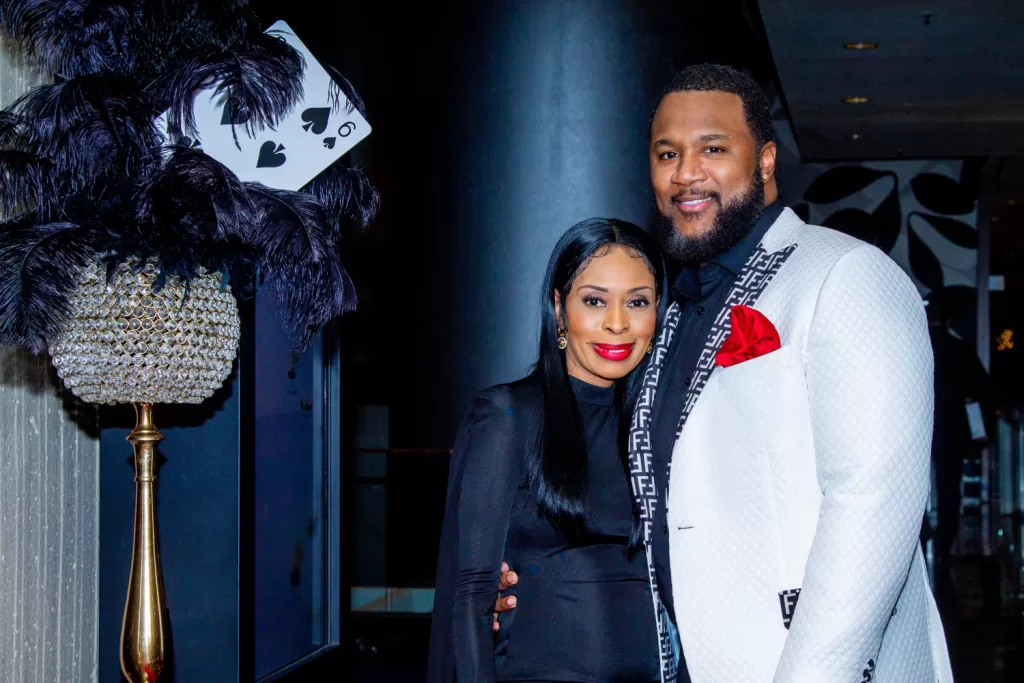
<point x="271" y="155"/>
<point x="232" y="115"/>
<point x="316" y="119"/>
<point x="329" y="142"/>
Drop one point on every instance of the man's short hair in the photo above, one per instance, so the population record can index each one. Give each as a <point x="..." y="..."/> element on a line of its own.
<point x="716" y="77"/>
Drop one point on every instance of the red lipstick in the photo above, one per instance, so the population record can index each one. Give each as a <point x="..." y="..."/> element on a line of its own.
<point x="614" y="351"/>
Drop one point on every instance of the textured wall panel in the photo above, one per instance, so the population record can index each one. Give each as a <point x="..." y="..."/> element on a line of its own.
<point x="49" y="461"/>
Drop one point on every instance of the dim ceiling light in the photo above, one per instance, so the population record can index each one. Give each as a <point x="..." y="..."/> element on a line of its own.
<point x="855" y="100"/>
<point x="856" y="136"/>
<point x="860" y="46"/>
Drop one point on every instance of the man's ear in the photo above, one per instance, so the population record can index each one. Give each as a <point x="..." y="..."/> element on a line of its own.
<point x="767" y="159"/>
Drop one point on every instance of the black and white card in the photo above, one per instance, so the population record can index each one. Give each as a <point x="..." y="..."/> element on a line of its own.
<point x="307" y="140"/>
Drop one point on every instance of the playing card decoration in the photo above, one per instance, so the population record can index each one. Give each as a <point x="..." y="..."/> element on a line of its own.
<point x="321" y="127"/>
<point x="271" y="155"/>
<point x="316" y="119"/>
<point x="182" y="135"/>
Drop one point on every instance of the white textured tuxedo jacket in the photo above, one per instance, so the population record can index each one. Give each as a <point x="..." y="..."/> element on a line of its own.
<point x="808" y="468"/>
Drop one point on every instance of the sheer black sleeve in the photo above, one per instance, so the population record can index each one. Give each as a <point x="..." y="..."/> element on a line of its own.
<point x="483" y="476"/>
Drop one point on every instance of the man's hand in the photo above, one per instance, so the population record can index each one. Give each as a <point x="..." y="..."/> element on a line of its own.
<point x="508" y="578"/>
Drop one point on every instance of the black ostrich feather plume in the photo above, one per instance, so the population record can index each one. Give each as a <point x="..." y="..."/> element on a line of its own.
<point x="88" y="126"/>
<point x="189" y="209"/>
<point x="28" y="184"/>
<point x="346" y="193"/>
<point x="71" y="37"/>
<point x="11" y="129"/>
<point x="297" y="241"/>
<point x="85" y="177"/>
<point x="289" y="226"/>
<point x="230" y="22"/>
<point x="260" y="80"/>
<point x="38" y="268"/>
<point x="308" y="296"/>
<point x="341" y="86"/>
<point x="191" y="185"/>
<point x="167" y="33"/>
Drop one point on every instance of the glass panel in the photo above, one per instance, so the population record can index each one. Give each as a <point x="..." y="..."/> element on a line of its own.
<point x="393" y="564"/>
<point x="289" y="536"/>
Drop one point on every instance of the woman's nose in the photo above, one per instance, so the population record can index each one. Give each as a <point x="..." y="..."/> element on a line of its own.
<point x="616" y="321"/>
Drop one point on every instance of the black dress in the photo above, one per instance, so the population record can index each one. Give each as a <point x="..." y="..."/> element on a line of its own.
<point x="584" y="612"/>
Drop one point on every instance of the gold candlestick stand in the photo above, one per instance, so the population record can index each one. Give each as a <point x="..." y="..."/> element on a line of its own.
<point x="143" y="631"/>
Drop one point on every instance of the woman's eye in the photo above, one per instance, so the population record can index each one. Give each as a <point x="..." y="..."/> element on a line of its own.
<point x="639" y="303"/>
<point x="593" y="301"/>
<point x="715" y="150"/>
<point x="668" y="155"/>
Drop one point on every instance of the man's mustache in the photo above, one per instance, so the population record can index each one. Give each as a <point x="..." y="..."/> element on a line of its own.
<point x="688" y="195"/>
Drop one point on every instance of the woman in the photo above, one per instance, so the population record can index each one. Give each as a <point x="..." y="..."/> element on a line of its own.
<point x="539" y="479"/>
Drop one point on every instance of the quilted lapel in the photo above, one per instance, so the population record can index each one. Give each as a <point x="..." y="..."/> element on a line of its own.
<point x="641" y="472"/>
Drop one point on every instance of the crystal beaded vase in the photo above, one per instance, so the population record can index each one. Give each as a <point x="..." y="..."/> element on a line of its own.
<point x="125" y="343"/>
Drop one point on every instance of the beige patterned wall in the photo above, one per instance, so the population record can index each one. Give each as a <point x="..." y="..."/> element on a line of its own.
<point x="49" y="500"/>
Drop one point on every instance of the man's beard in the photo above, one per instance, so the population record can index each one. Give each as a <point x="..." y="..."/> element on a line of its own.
<point x="732" y="223"/>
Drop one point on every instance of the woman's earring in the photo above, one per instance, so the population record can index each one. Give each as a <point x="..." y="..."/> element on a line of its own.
<point x="562" y="341"/>
<point x="650" y="347"/>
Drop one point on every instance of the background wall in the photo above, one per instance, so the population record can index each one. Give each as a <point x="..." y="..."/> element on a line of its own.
<point x="49" y="500"/>
<point x="922" y="213"/>
<point x="496" y="127"/>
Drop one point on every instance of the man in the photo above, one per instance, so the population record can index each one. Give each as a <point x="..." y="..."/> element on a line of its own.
<point x="782" y="495"/>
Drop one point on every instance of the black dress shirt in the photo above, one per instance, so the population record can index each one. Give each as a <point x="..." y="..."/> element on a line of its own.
<point x="700" y="293"/>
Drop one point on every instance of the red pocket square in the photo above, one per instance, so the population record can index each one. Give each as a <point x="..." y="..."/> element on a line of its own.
<point x="753" y="335"/>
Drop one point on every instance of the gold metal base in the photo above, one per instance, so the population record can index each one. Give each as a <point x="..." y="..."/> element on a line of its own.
<point x="143" y="645"/>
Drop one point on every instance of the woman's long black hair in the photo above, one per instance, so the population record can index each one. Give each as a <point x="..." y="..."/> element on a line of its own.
<point x="558" y="468"/>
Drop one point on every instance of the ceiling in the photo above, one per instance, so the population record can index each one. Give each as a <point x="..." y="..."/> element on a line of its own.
<point x="946" y="79"/>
